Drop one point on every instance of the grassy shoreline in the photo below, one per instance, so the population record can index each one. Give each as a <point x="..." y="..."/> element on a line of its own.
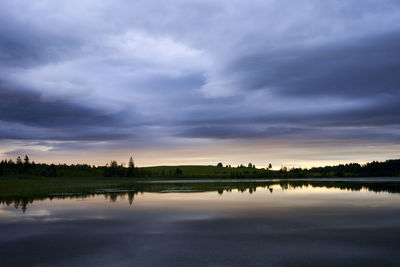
<point x="28" y="186"/>
<point x="10" y="186"/>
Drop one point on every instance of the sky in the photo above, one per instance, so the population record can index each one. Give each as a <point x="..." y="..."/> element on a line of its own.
<point x="297" y="83"/>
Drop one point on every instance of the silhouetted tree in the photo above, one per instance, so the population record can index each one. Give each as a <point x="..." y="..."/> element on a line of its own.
<point x="26" y="160"/>
<point x="219" y="164"/>
<point x="112" y="170"/>
<point x="131" y="163"/>
<point x="131" y="167"/>
<point x="19" y="161"/>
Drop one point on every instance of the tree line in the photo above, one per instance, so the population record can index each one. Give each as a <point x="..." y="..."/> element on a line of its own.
<point x="26" y="167"/>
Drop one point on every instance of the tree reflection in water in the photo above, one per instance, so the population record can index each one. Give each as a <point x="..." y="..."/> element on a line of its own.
<point x="220" y="187"/>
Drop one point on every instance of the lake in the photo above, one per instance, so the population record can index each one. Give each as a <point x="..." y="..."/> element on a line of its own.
<point x="342" y="222"/>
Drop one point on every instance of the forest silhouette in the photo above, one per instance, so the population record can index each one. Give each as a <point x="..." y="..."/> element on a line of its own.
<point x="27" y="168"/>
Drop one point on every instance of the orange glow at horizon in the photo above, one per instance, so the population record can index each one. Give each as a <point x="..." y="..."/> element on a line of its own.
<point x="260" y="153"/>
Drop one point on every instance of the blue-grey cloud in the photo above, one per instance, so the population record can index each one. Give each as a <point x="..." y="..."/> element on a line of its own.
<point x="362" y="67"/>
<point x="76" y="72"/>
<point x="30" y="109"/>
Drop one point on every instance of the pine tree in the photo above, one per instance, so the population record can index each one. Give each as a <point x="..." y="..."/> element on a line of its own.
<point x="131" y="167"/>
<point x="131" y="163"/>
<point x="26" y="160"/>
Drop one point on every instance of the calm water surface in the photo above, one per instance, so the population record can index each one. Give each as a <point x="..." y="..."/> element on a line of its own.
<point x="272" y="224"/>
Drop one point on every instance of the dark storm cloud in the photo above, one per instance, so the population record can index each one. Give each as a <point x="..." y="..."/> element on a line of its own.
<point x="241" y="131"/>
<point x="18" y="132"/>
<point x="26" y="115"/>
<point x="30" y="109"/>
<point x="356" y="68"/>
<point x="24" y="46"/>
<point x="324" y="135"/>
<point x="381" y="112"/>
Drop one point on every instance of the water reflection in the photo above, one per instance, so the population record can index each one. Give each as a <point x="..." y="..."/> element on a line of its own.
<point x="113" y="194"/>
<point x="274" y="223"/>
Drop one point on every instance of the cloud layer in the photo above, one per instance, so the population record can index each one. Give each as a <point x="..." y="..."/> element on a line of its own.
<point x="150" y="75"/>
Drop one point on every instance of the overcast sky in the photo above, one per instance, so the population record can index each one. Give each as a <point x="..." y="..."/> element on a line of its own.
<point x="295" y="83"/>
